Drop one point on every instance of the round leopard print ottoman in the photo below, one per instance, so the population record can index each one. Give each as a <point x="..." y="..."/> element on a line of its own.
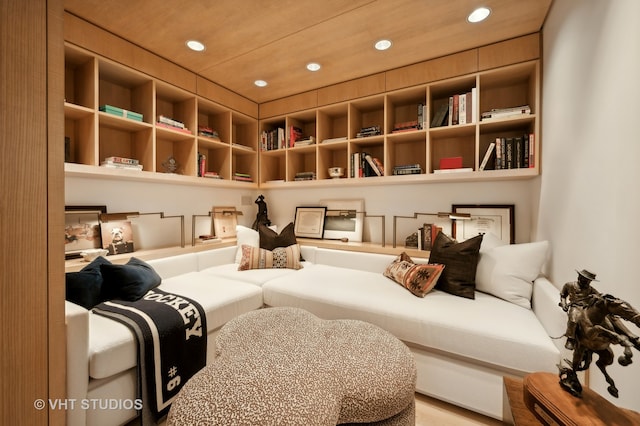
<point x="286" y="366"/>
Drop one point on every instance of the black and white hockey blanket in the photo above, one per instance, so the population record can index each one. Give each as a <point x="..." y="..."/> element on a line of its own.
<point x="172" y="344"/>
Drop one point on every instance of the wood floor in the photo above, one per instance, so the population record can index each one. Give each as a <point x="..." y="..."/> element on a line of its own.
<point x="430" y="411"/>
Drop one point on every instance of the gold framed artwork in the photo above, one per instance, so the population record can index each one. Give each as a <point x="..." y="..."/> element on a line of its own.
<point x="225" y="220"/>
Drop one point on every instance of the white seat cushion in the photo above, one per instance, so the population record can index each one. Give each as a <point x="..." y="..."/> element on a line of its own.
<point x="113" y="346"/>
<point x="252" y="276"/>
<point x="474" y="329"/>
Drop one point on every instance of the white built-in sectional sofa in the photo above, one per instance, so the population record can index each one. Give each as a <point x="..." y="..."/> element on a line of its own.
<point x="462" y="347"/>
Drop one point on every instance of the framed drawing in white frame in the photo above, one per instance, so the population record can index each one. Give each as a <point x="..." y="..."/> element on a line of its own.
<point x="498" y="219"/>
<point x="309" y="222"/>
<point x="344" y="219"/>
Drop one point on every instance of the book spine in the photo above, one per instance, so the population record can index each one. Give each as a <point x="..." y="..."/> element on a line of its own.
<point x="487" y="155"/>
<point x="462" y="109"/>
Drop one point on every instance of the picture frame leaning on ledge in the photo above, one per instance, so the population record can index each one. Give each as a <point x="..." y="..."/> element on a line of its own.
<point x="309" y="222"/>
<point x="498" y="219"/>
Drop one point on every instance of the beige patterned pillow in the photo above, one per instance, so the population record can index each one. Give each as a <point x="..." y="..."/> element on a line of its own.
<point x="281" y="257"/>
<point x="419" y="279"/>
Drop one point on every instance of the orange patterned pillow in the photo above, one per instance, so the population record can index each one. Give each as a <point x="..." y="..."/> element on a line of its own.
<point x="419" y="279"/>
<point x="281" y="257"/>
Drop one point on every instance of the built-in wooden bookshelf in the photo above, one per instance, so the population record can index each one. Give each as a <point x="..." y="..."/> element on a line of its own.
<point x="501" y="87"/>
<point x="503" y="75"/>
<point x="92" y="135"/>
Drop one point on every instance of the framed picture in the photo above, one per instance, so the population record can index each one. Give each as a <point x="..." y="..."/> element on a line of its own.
<point x="82" y="229"/>
<point x="343" y="219"/>
<point x="309" y="222"/>
<point x="498" y="219"/>
<point x="117" y="236"/>
<point x="225" y="220"/>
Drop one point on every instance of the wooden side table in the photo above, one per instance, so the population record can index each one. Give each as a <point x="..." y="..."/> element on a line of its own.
<point x="552" y="405"/>
<point x="521" y="414"/>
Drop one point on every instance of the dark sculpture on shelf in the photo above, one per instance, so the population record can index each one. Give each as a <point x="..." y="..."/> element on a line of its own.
<point x="262" y="216"/>
<point x="595" y="321"/>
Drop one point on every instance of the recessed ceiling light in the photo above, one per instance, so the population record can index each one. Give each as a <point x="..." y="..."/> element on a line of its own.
<point x="480" y="14"/>
<point x="313" y="66"/>
<point x="260" y="83"/>
<point x="195" y="45"/>
<point x="383" y="44"/>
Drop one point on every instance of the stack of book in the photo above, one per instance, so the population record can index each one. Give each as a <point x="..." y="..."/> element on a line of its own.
<point x="428" y="234"/>
<point x="170" y="123"/>
<point x="113" y="110"/>
<point x="364" y="164"/>
<point x="332" y="140"/>
<point x="243" y="177"/>
<point x="304" y="142"/>
<point x="121" y="163"/>
<point x="305" y="176"/>
<point x="368" y="131"/>
<point x="211" y="175"/>
<point x="407" y="169"/>
<point x="295" y="134"/>
<point x="510" y="153"/>
<point x="208" y="132"/>
<point x="499" y="113"/>
<point x="460" y="109"/>
<point x="272" y="139"/>
<point x="406" y="126"/>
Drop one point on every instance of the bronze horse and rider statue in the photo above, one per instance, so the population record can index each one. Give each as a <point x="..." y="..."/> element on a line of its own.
<point x="595" y="322"/>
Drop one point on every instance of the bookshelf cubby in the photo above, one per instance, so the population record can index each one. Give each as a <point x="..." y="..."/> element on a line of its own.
<point x="92" y="134"/>
<point x="425" y="145"/>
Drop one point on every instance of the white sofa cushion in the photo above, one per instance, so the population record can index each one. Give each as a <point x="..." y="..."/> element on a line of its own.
<point x="252" y="276"/>
<point x="507" y="271"/>
<point x="113" y="347"/>
<point x="474" y="329"/>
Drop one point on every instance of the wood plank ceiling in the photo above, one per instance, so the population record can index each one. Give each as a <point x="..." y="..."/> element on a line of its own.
<point x="274" y="40"/>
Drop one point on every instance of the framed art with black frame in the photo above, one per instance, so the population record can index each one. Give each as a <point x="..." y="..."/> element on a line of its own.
<point x="498" y="219"/>
<point x="309" y="222"/>
<point x="82" y="229"/>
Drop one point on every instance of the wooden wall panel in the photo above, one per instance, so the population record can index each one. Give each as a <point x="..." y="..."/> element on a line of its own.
<point x="215" y="92"/>
<point x="508" y="52"/>
<point x="436" y="69"/>
<point x="24" y="310"/>
<point x="104" y="43"/>
<point x="299" y="102"/>
<point x="55" y="209"/>
<point x="353" y="89"/>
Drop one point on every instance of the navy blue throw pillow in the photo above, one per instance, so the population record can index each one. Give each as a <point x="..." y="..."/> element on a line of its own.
<point x="84" y="287"/>
<point x="128" y="282"/>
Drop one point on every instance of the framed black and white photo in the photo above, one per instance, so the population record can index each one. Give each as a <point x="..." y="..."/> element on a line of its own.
<point x="344" y="219"/>
<point x="309" y="222"/>
<point x="82" y="229"/>
<point x="498" y="219"/>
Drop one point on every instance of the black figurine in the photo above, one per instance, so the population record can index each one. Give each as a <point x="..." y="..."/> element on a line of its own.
<point x="594" y="323"/>
<point x="262" y="216"/>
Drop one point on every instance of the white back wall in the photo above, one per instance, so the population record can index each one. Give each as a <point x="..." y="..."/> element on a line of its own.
<point x="144" y="197"/>
<point x="404" y="200"/>
<point x="589" y="196"/>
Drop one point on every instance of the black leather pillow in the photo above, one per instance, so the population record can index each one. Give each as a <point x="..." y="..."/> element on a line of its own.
<point x="84" y="287"/>
<point x="128" y="282"/>
<point x="461" y="262"/>
<point x="269" y="239"/>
